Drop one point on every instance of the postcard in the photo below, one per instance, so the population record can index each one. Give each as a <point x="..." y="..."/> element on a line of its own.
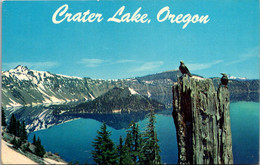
<point x="130" y="82"/>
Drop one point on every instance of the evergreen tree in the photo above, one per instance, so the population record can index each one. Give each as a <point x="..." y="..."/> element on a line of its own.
<point x="104" y="148"/>
<point x="141" y="153"/>
<point x="23" y="133"/>
<point x="12" y="125"/>
<point x="26" y="147"/>
<point x="136" y="143"/>
<point x="18" y="128"/>
<point x="120" y="150"/>
<point x="3" y="117"/>
<point x="151" y="148"/>
<point x="16" y="143"/>
<point x="129" y="141"/>
<point x="133" y="143"/>
<point x="124" y="153"/>
<point x="34" y="140"/>
<point x="19" y="143"/>
<point x="39" y="150"/>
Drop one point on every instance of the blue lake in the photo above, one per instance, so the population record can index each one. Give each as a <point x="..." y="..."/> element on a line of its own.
<point x="72" y="140"/>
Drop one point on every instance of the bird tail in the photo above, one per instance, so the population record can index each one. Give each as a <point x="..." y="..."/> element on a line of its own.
<point x="189" y="74"/>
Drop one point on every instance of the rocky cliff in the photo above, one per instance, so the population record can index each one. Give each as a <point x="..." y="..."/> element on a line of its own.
<point x="201" y="117"/>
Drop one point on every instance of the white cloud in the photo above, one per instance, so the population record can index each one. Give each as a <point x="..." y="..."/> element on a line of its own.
<point x="31" y="65"/>
<point x="197" y="66"/>
<point x="148" y="66"/>
<point x="124" y="61"/>
<point x="254" y="52"/>
<point x="91" y="62"/>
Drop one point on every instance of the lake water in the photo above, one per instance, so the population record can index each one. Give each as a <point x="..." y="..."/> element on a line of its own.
<point x="72" y="140"/>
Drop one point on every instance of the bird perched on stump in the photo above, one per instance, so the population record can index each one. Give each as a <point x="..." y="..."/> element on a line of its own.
<point x="224" y="79"/>
<point x="184" y="69"/>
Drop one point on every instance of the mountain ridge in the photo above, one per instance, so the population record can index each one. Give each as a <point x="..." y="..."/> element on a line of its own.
<point x="25" y="87"/>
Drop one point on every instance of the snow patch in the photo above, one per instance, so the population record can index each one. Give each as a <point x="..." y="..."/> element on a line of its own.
<point x="55" y="99"/>
<point x="133" y="92"/>
<point x="238" y="78"/>
<point x="148" y="82"/>
<point x="149" y="94"/>
<point x="22" y="73"/>
<point x="42" y="115"/>
<point x="7" y="74"/>
<point x="92" y="97"/>
<point x="73" y="77"/>
<point x="21" y="77"/>
<point x="13" y="104"/>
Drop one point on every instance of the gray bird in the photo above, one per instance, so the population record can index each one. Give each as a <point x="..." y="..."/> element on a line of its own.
<point x="224" y="79"/>
<point x="184" y="69"/>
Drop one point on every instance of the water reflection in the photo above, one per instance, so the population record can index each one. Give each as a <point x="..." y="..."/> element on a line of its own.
<point x="43" y="117"/>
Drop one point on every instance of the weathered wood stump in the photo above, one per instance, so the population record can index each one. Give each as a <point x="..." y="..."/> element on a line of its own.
<point x="202" y="121"/>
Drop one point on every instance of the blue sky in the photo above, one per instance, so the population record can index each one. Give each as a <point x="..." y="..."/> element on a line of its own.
<point x="228" y="43"/>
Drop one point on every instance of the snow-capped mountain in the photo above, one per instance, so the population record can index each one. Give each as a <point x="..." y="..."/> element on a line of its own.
<point x="23" y="86"/>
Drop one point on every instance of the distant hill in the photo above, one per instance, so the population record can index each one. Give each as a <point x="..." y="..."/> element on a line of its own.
<point x="117" y="100"/>
<point x="241" y="90"/>
<point x="172" y="75"/>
